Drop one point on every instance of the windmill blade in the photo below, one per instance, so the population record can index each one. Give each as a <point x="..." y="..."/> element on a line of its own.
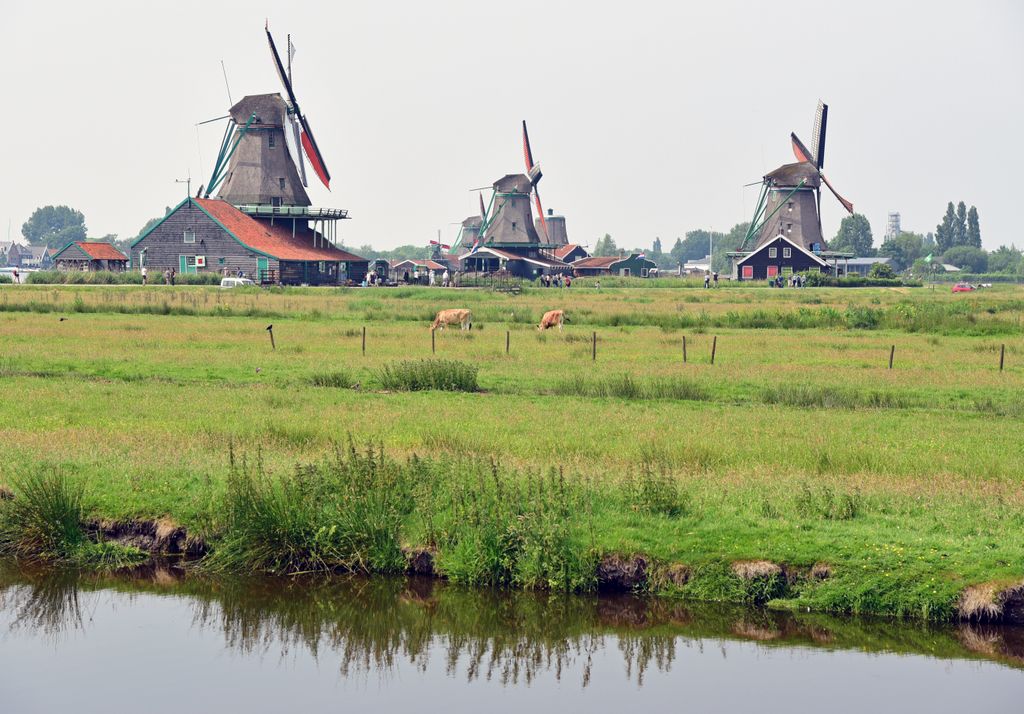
<point x="532" y="169"/>
<point x="540" y="212"/>
<point x="293" y="140"/>
<point x="483" y="209"/>
<point x="316" y="159"/>
<point x="800" y="151"/>
<point x="846" y="204"/>
<point x="820" y="123"/>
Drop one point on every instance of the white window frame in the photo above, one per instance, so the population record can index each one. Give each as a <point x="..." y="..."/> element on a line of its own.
<point x="787" y="252"/>
<point x="773" y="252"/>
<point x="271" y="140"/>
<point x="189" y="235"/>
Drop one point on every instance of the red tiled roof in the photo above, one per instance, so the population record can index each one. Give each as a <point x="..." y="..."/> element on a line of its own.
<point x="100" y="251"/>
<point x="428" y="264"/>
<point x="563" y="250"/>
<point x="596" y="261"/>
<point x="276" y="240"/>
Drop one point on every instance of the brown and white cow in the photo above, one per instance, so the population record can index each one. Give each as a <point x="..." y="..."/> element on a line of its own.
<point x="552" y="318"/>
<point x="463" y="318"/>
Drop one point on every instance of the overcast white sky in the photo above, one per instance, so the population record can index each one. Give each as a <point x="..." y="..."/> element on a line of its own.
<point x="648" y="117"/>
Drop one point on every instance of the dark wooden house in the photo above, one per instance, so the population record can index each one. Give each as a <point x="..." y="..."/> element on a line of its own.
<point x="781" y="256"/>
<point x="633" y="265"/>
<point x="570" y="252"/>
<point x="211" y="235"/>
<point x="90" y="256"/>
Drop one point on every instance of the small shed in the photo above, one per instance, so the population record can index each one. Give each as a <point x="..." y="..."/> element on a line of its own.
<point x="780" y="256"/>
<point x="863" y="266"/>
<point x="634" y="265"/>
<point x="90" y="256"/>
<point x="570" y="252"/>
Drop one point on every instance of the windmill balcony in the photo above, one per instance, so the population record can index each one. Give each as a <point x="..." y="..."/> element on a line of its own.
<point x="308" y="212"/>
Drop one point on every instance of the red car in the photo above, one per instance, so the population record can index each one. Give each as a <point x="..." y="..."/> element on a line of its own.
<point x="963" y="288"/>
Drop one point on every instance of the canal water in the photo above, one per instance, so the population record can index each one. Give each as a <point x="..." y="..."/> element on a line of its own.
<point x="160" y="641"/>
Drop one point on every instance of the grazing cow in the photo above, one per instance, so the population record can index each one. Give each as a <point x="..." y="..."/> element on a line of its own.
<point x="552" y="318"/>
<point x="464" y="318"/>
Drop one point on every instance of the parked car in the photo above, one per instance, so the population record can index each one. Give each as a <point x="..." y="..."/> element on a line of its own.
<point x="236" y="282"/>
<point x="963" y="288"/>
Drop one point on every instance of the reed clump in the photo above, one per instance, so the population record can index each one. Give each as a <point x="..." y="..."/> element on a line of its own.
<point x="423" y="375"/>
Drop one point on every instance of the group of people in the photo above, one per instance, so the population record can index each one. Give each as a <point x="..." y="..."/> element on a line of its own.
<point x="711" y="278"/>
<point x="795" y="281"/>
<point x="556" y="281"/>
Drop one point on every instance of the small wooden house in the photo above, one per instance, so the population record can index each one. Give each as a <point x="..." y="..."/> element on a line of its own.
<point x="781" y="256"/>
<point x="90" y="256"/>
<point x="569" y="253"/>
<point x="634" y="265"/>
<point x="10" y="254"/>
<point x="210" y="235"/>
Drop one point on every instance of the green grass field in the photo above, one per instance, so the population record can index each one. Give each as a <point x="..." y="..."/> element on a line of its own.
<point x="798" y="445"/>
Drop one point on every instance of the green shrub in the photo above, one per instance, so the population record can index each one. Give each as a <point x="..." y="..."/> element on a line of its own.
<point x="344" y="513"/>
<point x="336" y="379"/>
<point x="6" y="279"/>
<point x="422" y="375"/>
<point x="44" y="520"/>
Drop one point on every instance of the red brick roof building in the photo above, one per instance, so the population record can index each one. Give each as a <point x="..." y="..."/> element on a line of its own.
<point x="210" y="235"/>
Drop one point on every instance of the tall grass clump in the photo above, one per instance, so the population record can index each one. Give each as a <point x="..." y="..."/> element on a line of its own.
<point x="422" y="375"/>
<point x="44" y="519"/>
<point x="338" y="379"/>
<point x="654" y="490"/>
<point x="625" y="386"/>
<point x="809" y="396"/>
<point x="501" y="528"/>
<point x="344" y="513"/>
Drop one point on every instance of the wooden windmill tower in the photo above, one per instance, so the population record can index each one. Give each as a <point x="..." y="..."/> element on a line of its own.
<point x="790" y="199"/>
<point x="261" y="167"/>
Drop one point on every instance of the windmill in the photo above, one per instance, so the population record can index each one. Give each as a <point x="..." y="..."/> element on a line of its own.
<point x="534" y="173"/>
<point x="251" y="167"/>
<point x="469" y="231"/>
<point x="790" y="199"/>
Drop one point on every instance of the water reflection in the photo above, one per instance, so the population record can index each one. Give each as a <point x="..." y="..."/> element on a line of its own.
<point x="372" y="625"/>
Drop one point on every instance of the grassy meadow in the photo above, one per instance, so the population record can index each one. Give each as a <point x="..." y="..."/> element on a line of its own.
<point x="798" y="445"/>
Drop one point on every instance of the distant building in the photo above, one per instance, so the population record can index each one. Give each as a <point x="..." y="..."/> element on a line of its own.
<point x="862" y="266"/>
<point x="569" y="252"/>
<point x="696" y="267"/>
<point x="634" y="265"/>
<point x="892" y="226"/>
<point x="10" y="254"/>
<point x="90" y="256"/>
<point x="36" y="256"/>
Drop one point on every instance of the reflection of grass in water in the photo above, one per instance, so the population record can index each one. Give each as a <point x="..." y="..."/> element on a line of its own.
<point x="372" y="624"/>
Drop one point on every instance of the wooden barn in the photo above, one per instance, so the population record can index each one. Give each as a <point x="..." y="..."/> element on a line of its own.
<point x="90" y="256"/>
<point x="211" y="235"/>
<point x="634" y="265"/>
<point x="781" y="256"/>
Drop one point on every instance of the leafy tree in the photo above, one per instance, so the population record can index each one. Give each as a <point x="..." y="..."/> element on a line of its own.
<point x="656" y="248"/>
<point x="149" y="224"/>
<point x="928" y="244"/>
<point x="966" y="257"/>
<point x="605" y="246"/>
<point x="724" y="244"/>
<point x="924" y="268"/>
<point x="904" y="249"/>
<point x="960" y="225"/>
<point x="854" y="236"/>
<point x="1005" y="260"/>
<point x="882" y="270"/>
<point x="973" y="237"/>
<point x="945" y="232"/>
<point x="54" y="226"/>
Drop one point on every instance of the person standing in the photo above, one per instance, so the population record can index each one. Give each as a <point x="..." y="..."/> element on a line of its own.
<point x="445" y="279"/>
<point x="714" y="278"/>
<point x="144" y="274"/>
<point x="172" y="276"/>
<point x="707" y="281"/>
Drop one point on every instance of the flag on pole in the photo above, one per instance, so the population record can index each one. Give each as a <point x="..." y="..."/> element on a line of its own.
<point x="928" y="259"/>
<point x="476" y="246"/>
<point x="641" y="256"/>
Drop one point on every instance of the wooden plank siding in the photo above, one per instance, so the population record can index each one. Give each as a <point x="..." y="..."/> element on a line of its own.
<point x="165" y="244"/>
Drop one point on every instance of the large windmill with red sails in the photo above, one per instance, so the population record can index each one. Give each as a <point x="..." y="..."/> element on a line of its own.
<point x="790" y="200"/>
<point x="261" y="167"/>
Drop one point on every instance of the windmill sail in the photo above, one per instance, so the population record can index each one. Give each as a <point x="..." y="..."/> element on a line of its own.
<point x="534" y="172"/>
<point x="294" y="143"/>
<point x="316" y="159"/>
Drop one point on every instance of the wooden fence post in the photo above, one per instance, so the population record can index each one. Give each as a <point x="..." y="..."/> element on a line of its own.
<point x="714" y="348"/>
<point x="892" y="353"/>
<point x="593" y="347"/>
<point x="433" y="347"/>
<point x="508" y="339"/>
<point x="1002" y="355"/>
<point x="684" y="349"/>
<point x="364" y="340"/>
<point x="270" y="330"/>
